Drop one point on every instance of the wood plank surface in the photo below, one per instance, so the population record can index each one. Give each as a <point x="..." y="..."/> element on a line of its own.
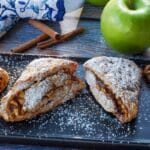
<point x="91" y="12"/>
<point x="89" y="44"/>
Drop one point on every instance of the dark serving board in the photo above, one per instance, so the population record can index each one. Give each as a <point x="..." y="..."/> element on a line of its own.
<point x="80" y="122"/>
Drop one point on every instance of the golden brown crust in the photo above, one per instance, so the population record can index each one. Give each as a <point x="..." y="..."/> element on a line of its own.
<point x="121" y="79"/>
<point x="4" y="79"/>
<point x="44" y="106"/>
<point x="52" y="76"/>
<point x="41" y="68"/>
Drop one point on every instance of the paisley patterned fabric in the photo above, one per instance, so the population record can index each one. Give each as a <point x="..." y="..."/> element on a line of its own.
<point x="12" y="10"/>
<point x="7" y="24"/>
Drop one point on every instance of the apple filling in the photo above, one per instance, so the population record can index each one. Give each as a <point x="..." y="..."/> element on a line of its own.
<point x="122" y="111"/>
<point x="52" y="88"/>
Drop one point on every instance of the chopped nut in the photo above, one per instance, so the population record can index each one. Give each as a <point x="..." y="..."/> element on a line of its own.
<point x="147" y="72"/>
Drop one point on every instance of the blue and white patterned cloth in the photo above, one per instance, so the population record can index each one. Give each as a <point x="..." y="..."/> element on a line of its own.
<point x="12" y="10"/>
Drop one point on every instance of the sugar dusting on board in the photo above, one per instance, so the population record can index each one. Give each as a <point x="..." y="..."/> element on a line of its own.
<point x="81" y="118"/>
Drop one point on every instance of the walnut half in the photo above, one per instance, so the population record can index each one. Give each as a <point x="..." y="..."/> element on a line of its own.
<point x="147" y="72"/>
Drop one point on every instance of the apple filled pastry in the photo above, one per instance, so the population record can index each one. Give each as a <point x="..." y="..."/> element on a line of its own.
<point x="43" y="85"/>
<point x="115" y="84"/>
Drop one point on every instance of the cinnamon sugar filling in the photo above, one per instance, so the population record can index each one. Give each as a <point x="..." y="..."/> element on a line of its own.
<point x="15" y="106"/>
<point x="122" y="111"/>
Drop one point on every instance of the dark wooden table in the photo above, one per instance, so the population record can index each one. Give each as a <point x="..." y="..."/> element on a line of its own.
<point x="89" y="44"/>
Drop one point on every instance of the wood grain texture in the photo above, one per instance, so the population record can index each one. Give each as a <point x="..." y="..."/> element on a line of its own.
<point x="91" y="12"/>
<point x="31" y="147"/>
<point x="89" y="44"/>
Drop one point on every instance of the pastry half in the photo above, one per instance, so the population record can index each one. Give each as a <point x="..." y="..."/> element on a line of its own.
<point x="43" y="85"/>
<point x="115" y="84"/>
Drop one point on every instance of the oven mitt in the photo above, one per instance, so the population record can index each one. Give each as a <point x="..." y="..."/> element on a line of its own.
<point x="12" y="10"/>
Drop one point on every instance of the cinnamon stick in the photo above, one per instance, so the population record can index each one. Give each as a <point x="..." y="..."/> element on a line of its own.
<point x="44" y="28"/>
<point x="62" y="38"/>
<point x="29" y="44"/>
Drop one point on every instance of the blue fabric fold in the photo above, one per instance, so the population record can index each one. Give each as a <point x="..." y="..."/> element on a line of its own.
<point x="13" y="10"/>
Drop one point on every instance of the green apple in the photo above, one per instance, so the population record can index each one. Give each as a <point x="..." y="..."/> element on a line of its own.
<point x="125" y="25"/>
<point x="97" y="2"/>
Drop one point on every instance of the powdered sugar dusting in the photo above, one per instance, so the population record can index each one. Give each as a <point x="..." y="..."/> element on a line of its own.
<point x="81" y="118"/>
<point x="122" y="77"/>
<point x="34" y="94"/>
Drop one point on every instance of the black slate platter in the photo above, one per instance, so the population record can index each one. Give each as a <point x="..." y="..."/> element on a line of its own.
<point x="80" y="122"/>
